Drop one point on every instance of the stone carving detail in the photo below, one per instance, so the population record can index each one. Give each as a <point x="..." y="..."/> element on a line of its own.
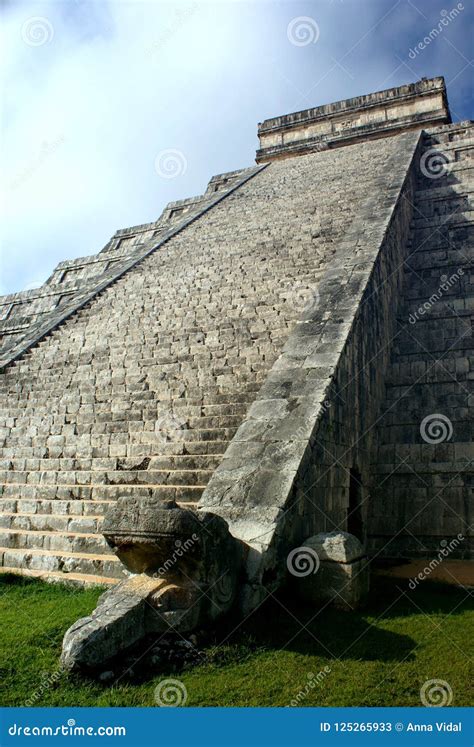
<point x="184" y="567"/>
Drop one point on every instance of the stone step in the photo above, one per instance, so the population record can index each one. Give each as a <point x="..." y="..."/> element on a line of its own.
<point x="446" y="454"/>
<point x="437" y="261"/>
<point x="145" y="391"/>
<point x="99" y="421"/>
<point x="155" y="408"/>
<point x="135" y="451"/>
<point x="441" y="192"/>
<point x="424" y="373"/>
<point x="449" y="232"/>
<point x="16" y="377"/>
<point x="462" y="216"/>
<point x="193" y="434"/>
<point x="218" y="361"/>
<point x="413" y="469"/>
<point x="450" y="139"/>
<point x="52" y="522"/>
<point x="54" y="541"/>
<point x="444" y="207"/>
<point x="177" y="448"/>
<point x="117" y="403"/>
<point x="66" y="562"/>
<point x="101" y="492"/>
<point x="183" y="337"/>
<point x="100" y="412"/>
<point x="76" y="579"/>
<point x="181" y="462"/>
<point x="85" y="516"/>
<point x="464" y="348"/>
<point x="55" y="506"/>
<point x="403" y="425"/>
<point x="119" y="477"/>
<point x="27" y="433"/>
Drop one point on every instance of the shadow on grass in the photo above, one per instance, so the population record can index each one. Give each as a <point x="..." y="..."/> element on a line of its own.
<point x="12" y="579"/>
<point x="357" y="635"/>
<point x="283" y="623"/>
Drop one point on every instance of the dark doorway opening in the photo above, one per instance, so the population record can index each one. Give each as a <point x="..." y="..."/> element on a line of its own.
<point x="355" y="523"/>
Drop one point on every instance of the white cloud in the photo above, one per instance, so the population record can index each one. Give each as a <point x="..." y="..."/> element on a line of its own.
<point x="88" y="111"/>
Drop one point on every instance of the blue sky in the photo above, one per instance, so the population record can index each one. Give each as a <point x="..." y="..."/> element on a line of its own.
<point x="94" y="92"/>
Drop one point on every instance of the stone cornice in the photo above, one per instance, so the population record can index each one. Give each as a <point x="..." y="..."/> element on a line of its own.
<point x="412" y="106"/>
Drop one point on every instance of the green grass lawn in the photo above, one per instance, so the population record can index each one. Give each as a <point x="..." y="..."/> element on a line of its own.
<point x="380" y="656"/>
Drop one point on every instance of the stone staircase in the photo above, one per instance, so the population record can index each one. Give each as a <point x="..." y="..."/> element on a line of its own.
<point x="27" y="315"/>
<point x="140" y="390"/>
<point x="53" y="506"/>
<point x="423" y="479"/>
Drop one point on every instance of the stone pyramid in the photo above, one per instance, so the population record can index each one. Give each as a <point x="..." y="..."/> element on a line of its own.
<point x="291" y="351"/>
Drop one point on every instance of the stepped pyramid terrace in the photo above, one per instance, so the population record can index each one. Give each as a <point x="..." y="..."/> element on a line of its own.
<point x="277" y="372"/>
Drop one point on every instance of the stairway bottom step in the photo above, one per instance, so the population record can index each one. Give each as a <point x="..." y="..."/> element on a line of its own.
<point x="75" y="579"/>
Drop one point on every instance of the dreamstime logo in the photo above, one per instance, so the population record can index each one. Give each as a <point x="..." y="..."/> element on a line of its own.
<point x="313" y="681"/>
<point x="180" y="17"/>
<point x="37" y="31"/>
<point x="446" y="17"/>
<point x="47" y="681"/>
<point x="436" y="693"/>
<point x="181" y="548"/>
<point x="302" y="31"/>
<point x="445" y="550"/>
<point x="167" y="425"/>
<point x="170" y="163"/>
<point x="170" y="693"/>
<point x="446" y="284"/>
<point x="302" y="298"/>
<point x="302" y="561"/>
<point x="436" y="428"/>
<point x="48" y="148"/>
<point x="435" y="163"/>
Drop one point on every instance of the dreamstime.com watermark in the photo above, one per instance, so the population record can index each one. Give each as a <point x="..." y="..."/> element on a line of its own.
<point x="436" y="694"/>
<point x="302" y="561"/>
<point x="48" y="149"/>
<point x="170" y="693"/>
<point x="171" y="163"/>
<point x="313" y="681"/>
<point x="181" y="548"/>
<point x="167" y="425"/>
<point x="304" y="299"/>
<point x="302" y="30"/>
<point x="66" y="730"/>
<point x="37" y="31"/>
<point x="435" y="163"/>
<point x="181" y="16"/>
<point x="446" y="17"/>
<point x="445" y="285"/>
<point x="48" y="680"/>
<point x="436" y="428"/>
<point x="444" y="552"/>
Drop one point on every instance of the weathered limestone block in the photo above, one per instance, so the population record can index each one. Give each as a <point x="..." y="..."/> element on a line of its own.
<point x="185" y="568"/>
<point x="342" y="575"/>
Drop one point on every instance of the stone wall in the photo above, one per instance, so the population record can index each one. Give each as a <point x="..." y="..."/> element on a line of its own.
<point x="423" y="472"/>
